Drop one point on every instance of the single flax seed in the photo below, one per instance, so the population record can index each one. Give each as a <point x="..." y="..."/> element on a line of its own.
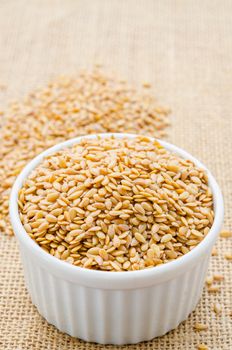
<point x="202" y="346"/>
<point x="228" y="256"/>
<point x="217" y="308"/>
<point x="200" y="326"/>
<point x="226" y="234"/>
<point x="213" y="289"/>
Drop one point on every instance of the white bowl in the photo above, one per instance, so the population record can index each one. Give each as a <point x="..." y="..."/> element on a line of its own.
<point x="114" y="307"/>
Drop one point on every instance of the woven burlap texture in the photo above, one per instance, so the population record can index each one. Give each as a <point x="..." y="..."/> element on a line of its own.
<point x="184" y="48"/>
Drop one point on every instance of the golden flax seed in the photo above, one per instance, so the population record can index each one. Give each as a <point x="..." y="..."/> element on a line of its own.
<point x="214" y="252"/>
<point x="218" y="277"/>
<point x="225" y="234"/>
<point x="213" y="289"/>
<point x="200" y="326"/>
<point x="217" y="308"/>
<point x="202" y="346"/>
<point x="228" y="256"/>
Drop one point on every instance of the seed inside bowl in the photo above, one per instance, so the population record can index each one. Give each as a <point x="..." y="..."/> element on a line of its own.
<point x="116" y="204"/>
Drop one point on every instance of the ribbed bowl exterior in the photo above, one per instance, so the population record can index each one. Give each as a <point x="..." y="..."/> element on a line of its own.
<point x="109" y="316"/>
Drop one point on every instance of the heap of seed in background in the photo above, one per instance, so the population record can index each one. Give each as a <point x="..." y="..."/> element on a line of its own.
<point x="116" y="204"/>
<point x="70" y="107"/>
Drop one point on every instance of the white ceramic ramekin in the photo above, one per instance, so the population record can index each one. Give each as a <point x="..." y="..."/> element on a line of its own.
<point x="114" y="307"/>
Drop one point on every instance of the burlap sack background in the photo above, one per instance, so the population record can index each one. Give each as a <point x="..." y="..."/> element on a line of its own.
<point x="185" y="49"/>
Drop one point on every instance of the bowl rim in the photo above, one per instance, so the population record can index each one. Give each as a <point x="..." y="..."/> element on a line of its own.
<point x="107" y="279"/>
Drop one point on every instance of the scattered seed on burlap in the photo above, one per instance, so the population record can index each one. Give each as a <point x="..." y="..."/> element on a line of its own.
<point x="209" y="280"/>
<point x="213" y="289"/>
<point x="200" y="327"/>
<point x="89" y="103"/>
<point x="218" y="277"/>
<point x="225" y="234"/>
<point x="214" y="252"/>
<point x="228" y="256"/>
<point x="116" y="204"/>
<point x="217" y="308"/>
